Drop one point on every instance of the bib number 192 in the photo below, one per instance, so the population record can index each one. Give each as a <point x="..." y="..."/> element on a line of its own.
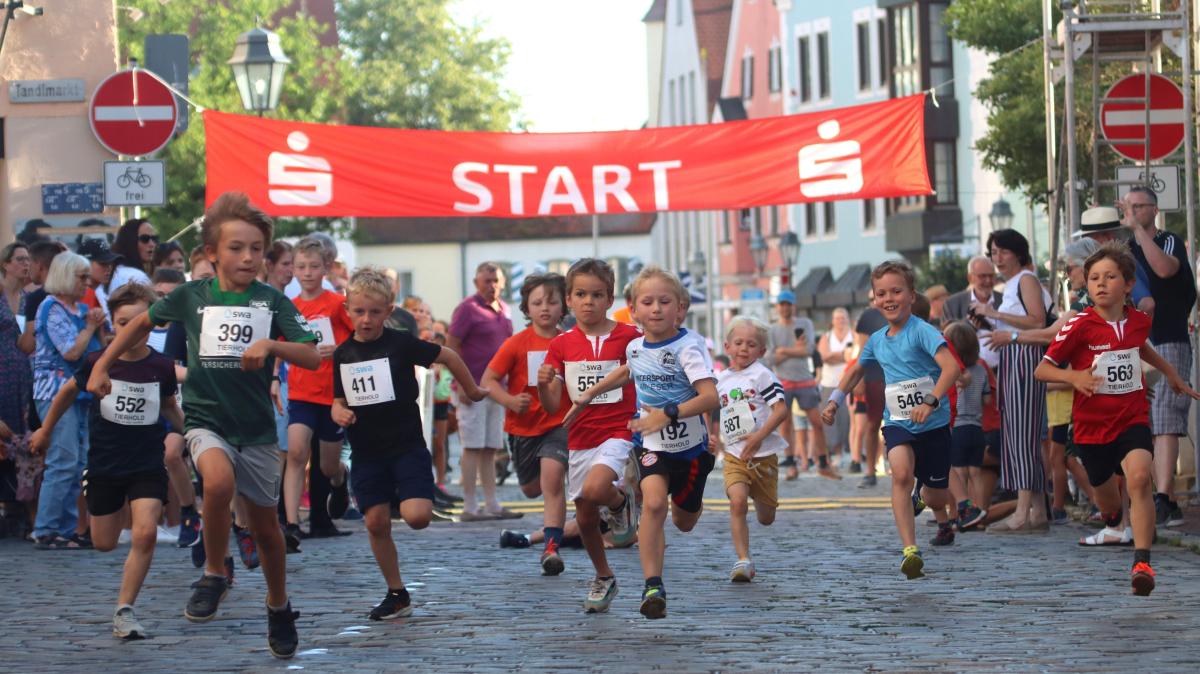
<point x="674" y="431"/>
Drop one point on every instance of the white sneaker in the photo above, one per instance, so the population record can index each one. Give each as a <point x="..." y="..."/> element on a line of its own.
<point x="126" y="625"/>
<point x="743" y="571"/>
<point x="623" y="522"/>
<point x="600" y="595"/>
<point x="124" y="537"/>
<point x="166" y="537"/>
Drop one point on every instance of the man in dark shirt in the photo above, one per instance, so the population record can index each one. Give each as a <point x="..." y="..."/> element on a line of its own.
<point x="1165" y="257"/>
<point x="41" y="254"/>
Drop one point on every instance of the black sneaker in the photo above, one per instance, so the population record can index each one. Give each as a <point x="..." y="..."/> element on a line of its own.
<point x="198" y="554"/>
<point x="1174" y="514"/>
<point x="189" y="528"/>
<point x="918" y="502"/>
<point x="327" y="532"/>
<point x="855" y="468"/>
<point x="291" y="538"/>
<point x="339" y="498"/>
<point x="970" y="517"/>
<point x="1162" y="510"/>
<point x="513" y="539"/>
<point x="206" y="597"/>
<point x="443" y="495"/>
<point x="281" y="632"/>
<point x="787" y="462"/>
<point x="654" y="602"/>
<point x="944" y="536"/>
<point x="869" y="480"/>
<point x="394" y="605"/>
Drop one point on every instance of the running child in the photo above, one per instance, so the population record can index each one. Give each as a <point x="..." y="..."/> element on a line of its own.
<point x="375" y="399"/>
<point x="310" y="394"/>
<point x="599" y="440"/>
<point x="1100" y="353"/>
<point x="233" y="323"/>
<point x="676" y="386"/>
<point x="537" y="440"/>
<point x="918" y="370"/>
<point x="967" y="440"/>
<point x="752" y="409"/>
<point x="125" y="451"/>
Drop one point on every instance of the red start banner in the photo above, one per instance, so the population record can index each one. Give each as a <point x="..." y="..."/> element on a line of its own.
<point x="298" y="169"/>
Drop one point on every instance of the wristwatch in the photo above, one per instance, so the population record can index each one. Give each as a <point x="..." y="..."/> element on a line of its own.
<point x="672" y="412"/>
<point x="931" y="401"/>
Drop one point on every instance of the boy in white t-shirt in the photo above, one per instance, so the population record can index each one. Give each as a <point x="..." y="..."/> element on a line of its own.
<point x="752" y="408"/>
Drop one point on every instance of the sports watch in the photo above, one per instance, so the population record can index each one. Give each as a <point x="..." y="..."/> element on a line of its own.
<point x="672" y="412"/>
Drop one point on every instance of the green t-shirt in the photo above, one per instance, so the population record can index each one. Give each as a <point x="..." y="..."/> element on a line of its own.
<point x="219" y="396"/>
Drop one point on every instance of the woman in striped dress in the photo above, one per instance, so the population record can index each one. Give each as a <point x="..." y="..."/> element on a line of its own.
<point x="1022" y="398"/>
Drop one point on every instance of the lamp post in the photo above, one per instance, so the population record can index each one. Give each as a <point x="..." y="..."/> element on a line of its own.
<point x="1001" y="215"/>
<point x="789" y="251"/>
<point x="758" y="251"/>
<point x="258" y="64"/>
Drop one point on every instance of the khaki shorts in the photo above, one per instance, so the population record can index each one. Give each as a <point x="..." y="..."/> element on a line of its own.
<point x="255" y="467"/>
<point x="761" y="474"/>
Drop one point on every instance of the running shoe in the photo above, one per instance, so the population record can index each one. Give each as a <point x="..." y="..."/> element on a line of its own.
<point x="855" y="468"/>
<point x="601" y="592"/>
<point x="246" y="547"/>
<point x="944" y="536"/>
<point x="513" y="539"/>
<point x="970" y="517"/>
<point x="1162" y="510"/>
<point x="326" y="532"/>
<point x="126" y="625"/>
<point x="339" y="497"/>
<point x="912" y="564"/>
<point x="352" y="515"/>
<point x="1174" y="514"/>
<point x="440" y="494"/>
<point x="1143" y="579"/>
<point x="229" y="571"/>
<point x="869" y="480"/>
<point x="918" y="502"/>
<point x="654" y="602"/>
<point x="292" y="535"/>
<point x="394" y="605"/>
<point x="743" y="571"/>
<point x="828" y="472"/>
<point x="281" y="632"/>
<point x="1059" y="516"/>
<point x="189" y="528"/>
<point x="788" y="462"/>
<point x="552" y="564"/>
<point x="207" y="594"/>
<point x="198" y="554"/>
<point x="623" y="522"/>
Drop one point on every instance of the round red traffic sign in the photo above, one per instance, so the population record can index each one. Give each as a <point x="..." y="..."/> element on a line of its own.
<point x="1127" y="121"/>
<point x="132" y="113"/>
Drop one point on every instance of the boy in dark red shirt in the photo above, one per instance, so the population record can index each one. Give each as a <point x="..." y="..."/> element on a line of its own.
<point x="1099" y="352"/>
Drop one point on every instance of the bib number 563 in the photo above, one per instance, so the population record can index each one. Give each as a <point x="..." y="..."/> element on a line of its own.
<point x="1120" y="373"/>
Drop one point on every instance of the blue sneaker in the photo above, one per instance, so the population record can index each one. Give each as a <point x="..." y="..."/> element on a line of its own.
<point x="246" y="547"/>
<point x="198" y="556"/>
<point x="918" y="502"/>
<point x="352" y="514"/>
<point x="654" y="602"/>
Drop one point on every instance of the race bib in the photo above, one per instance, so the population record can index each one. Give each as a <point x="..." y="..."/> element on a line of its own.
<point x="679" y="436"/>
<point x="533" y="363"/>
<point x="131" y="404"/>
<point x="904" y="397"/>
<point x="226" y="332"/>
<point x="1121" y="370"/>
<point x="368" y="382"/>
<point x="737" y="421"/>
<point x="322" y="327"/>
<point x="583" y="374"/>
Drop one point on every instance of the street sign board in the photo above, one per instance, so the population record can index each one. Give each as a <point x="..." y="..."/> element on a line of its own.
<point x="168" y="57"/>
<point x="46" y="91"/>
<point x="753" y="294"/>
<point x="132" y="113"/>
<point x="134" y="183"/>
<point x="61" y="198"/>
<point x="1163" y="179"/>
<point x="1123" y="121"/>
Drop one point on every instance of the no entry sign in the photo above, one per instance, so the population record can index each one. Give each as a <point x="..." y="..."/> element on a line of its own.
<point x="132" y="113"/>
<point x="1127" y="121"/>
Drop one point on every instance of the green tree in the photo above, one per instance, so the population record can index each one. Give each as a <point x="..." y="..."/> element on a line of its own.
<point x="948" y="269"/>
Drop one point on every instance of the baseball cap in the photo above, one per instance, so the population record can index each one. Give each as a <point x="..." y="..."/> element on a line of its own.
<point x="786" y="296"/>
<point x="97" y="250"/>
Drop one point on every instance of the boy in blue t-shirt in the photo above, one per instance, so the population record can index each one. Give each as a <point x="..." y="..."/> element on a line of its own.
<point x="918" y="372"/>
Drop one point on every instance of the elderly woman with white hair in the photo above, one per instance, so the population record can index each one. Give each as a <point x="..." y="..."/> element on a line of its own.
<point x="837" y="349"/>
<point x="66" y="332"/>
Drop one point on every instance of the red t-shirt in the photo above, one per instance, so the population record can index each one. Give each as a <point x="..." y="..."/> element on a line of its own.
<point x="1084" y="340"/>
<point x="89" y="298"/>
<point x="326" y="311"/>
<point x="582" y="361"/>
<point x="991" y="413"/>
<point x="519" y="359"/>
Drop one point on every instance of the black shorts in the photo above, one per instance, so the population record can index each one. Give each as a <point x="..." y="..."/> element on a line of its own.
<point x="317" y="417"/>
<point x="685" y="477"/>
<point x="106" y="494"/>
<point x="403" y="476"/>
<point x="1102" y="461"/>
<point x="1059" y="434"/>
<point x="931" y="451"/>
<point x="966" y="446"/>
<point x="991" y="443"/>
<point x="441" y="411"/>
<point x="528" y="451"/>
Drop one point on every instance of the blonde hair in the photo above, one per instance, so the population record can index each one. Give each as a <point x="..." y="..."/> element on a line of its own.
<point x="371" y="281"/>
<point x="656" y="272"/>
<point x="760" y="329"/>
<point x="60" y="280"/>
<point x="310" y="245"/>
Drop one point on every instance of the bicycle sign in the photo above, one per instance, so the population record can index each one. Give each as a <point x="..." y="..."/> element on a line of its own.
<point x="134" y="183"/>
<point x="1163" y="179"/>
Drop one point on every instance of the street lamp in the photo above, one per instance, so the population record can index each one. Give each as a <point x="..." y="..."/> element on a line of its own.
<point x="789" y="251"/>
<point x="1001" y="215"/>
<point x="697" y="266"/>
<point x="758" y="251"/>
<point x="258" y="64"/>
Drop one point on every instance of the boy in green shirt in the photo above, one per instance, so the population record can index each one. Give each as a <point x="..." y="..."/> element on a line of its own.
<point x="233" y="323"/>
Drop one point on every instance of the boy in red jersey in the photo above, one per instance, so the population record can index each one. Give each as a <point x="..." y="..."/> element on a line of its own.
<point x="1100" y="352"/>
<point x="599" y="441"/>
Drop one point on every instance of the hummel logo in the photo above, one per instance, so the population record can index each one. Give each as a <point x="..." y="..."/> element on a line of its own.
<point x="1099" y="347"/>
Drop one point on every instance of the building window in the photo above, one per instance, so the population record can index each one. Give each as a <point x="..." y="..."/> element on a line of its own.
<point x="803" y="69"/>
<point x="882" y="53"/>
<point x="671" y="103"/>
<point x="870" y="223"/>
<point x="810" y="220"/>
<point x="940" y="67"/>
<point x="823" y="65"/>
<point x="862" y="32"/>
<point x="747" y="76"/>
<point x="774" y="69"/>
<point x="748" y="220"/>
<point x="691" y="98"/>
<point x="906" y="73"/>
<point x="405" y="281"/>
<point x="726" y="234"/>
<point x="945" y="181"/>
<point x="774" y="221"/>
<point x="557" y="266"/>
<point x="830" y="218"/>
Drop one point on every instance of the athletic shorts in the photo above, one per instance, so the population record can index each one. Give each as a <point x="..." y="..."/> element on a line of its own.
<point x="760" y="474"/>
<point x="991" y="440"/>
<point x="860" y="405"/>
<point x="966" y="446"/>
<point x="1168" y="409"/>
<point x="875" y="400"/>
<point x="685" y="477"/>
<point x="1060" y="434"/>
<point x="1102" y="461"/>
<point x="255" y="467"/>
<point x="441" y="411"/>
<point x="317" y="417"/>
<point x="931" y="449"/>
<point x="808" y="398"/>
<point x="401" y="477"/>
<point x="528" y="451"/>
<point x="481" y="424"/>
<point x="106" y="494"/>
<point x="612" y="453"/>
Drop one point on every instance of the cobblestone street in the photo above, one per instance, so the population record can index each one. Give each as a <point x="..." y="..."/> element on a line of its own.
<point x="828" y="596"/>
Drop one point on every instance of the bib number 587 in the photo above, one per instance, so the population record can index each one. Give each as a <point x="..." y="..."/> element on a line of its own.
<point x="731" y="425"/>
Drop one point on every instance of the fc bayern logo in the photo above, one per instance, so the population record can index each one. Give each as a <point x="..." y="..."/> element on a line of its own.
<point x="649" y="459"/>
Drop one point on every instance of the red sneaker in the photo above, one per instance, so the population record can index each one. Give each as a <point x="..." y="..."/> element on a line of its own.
<point x="1143" y="579"/>
<point x="552" y="564"/>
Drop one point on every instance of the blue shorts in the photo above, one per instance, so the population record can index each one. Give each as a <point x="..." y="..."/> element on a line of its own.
<point x="400" y="477"/>
<point x="317" y="417"/>
<point x="931" y="451"/>
<point x="967" y="446"/>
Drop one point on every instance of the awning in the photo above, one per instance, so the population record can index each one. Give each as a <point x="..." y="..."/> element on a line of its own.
<point x="817" y="279"/>
<point x="851" y="288"/>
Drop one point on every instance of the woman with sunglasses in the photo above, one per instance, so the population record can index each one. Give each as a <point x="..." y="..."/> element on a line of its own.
<point x="135" y="245"/>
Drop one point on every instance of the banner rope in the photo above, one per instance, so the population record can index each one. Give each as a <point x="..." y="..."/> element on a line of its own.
<point x="151" y="73"/>
<point x="932" y="91"/>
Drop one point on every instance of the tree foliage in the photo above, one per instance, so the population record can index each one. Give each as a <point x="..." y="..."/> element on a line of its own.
<point x="948" y="269"/>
